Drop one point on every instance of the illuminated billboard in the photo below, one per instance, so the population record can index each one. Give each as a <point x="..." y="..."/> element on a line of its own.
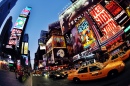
<point x="55" y="42"/>
<point x="67" y="18"/>
<point x="105" y="22"/>
<point x="20" y="22"/>
<point x="85" y="33"/>
<point x="15" y="37"/>
<point x="58" y="41"/>
<point x="117" y="12"/>
<point x="77" y="46"/>
<point x="22" y="48"/>
<point x="60" y="52"/>
<point x="49" y="45"/>
<point x="25" y="12"/>
<point x="25" y="48"/>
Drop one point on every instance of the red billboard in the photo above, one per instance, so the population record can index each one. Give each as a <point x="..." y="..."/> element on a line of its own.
<point x="58" y="41"/>
<point x="117" y="12"/>
<point x="105" y="22"/>
<point x="15" y="37"/>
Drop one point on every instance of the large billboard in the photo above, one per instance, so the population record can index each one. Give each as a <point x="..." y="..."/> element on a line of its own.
<point x="55" y="42"/>
<point x="85" y="33"/>
<point x="25" y="12"/>
<point x="117" y="12"/>
<point x="15" y="37"/>
<point x="60" y="52"/>
<point x="67" y="18"/>
<point x="105" y="22"/>
<point x="49" y="45"/>
<point x="20" y="22"/>
<point x="58" y="41"/>
<point x="24" y="48"/>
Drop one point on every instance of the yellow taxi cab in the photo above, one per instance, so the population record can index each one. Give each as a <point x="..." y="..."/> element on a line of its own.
<point x="112" y="58"/>
<point x="38" y="72"/>
<point x="124" y="55"/>
<point x="66" y="72"/>
<point x="96" y="71"/>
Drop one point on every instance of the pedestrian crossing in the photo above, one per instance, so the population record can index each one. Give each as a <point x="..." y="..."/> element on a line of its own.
<point x="36" y="75"/>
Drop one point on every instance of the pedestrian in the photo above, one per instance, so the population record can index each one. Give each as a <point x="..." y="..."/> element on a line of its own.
<point x="15" y="69"/>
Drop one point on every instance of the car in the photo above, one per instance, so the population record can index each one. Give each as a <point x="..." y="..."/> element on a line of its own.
<point x="59" y="75"/>
<point x="112" y="58"/>
<point x="66" y="72"/>
<point x="96" y="71"/>
<point x="124" y="54"/>
<point x="56" y="74"/>
<point x="51" y="74"/>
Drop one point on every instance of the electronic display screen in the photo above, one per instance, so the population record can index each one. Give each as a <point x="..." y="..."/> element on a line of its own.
<point x="25" y="12"/>
<point x="20" y="22"/>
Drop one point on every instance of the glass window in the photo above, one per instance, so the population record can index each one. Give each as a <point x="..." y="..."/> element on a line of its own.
<point x="114" y="56"/>
<point x="121" y="53"/>
<point x="94" y="68"/>
<point x="83" y="70"/>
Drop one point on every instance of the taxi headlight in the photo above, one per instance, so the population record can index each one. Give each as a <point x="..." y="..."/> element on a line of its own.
<point x="57" y="75"/>
<point x="122" y="64"/>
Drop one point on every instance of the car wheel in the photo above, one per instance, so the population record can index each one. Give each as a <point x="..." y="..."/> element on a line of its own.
<point x="77" y="80"/>
<point x="112" y="73"/>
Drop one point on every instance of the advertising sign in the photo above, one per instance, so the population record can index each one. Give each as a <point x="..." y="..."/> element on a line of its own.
<point x="75" y="37"/>
<point x="49" y="44"/>
<point x="60" y="52"/>
<point x="15" y="37"/>
<point x="58" y="41"/>
<point x="18" y="65"/>
<point x="25" y="48"/>
<point x="20" y="22"/>
<point x="22" y="48"/>
<point x="67" y="18"/>
<point x="25" y="12"/>
<point x="117" y="12"/>
<point x="76" y="57"/>
<point x="42" y="64"/>
<point x="105" y="22"/>
<point x="85" y="33"/>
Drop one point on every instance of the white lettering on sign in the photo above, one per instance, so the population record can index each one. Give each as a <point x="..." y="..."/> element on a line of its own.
<point x="105" y="22"/>
<point x="119" y="15"/>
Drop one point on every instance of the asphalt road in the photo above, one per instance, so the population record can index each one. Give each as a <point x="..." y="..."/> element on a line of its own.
<point x="123" y="79"/>
<point x="8" y="78"/>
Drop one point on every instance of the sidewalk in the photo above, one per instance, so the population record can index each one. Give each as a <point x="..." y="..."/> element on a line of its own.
<point x="28" y="82"/>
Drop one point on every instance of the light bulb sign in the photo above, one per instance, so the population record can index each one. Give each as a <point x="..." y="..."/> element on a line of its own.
<point x="20" y="22"/>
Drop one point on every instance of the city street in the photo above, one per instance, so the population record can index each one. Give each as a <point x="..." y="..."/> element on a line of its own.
<point x="123" y="79"/>
<point x="7" y="78"/>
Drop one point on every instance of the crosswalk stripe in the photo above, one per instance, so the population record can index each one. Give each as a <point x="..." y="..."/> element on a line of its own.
<point x="36" y="75"/>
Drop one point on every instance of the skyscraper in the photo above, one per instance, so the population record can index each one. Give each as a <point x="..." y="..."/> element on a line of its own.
<point x="5" y="7"/>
